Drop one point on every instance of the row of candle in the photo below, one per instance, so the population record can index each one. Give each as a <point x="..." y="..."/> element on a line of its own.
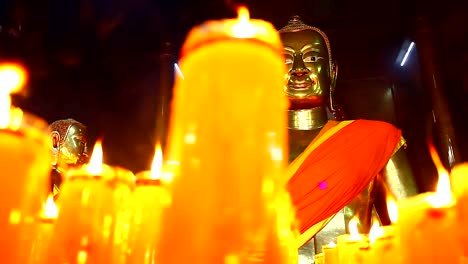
<point x="427" y="228"/>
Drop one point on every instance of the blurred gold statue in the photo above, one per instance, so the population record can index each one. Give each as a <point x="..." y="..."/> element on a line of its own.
<point x="69" y="148"/>
<point x="334" y="163"/>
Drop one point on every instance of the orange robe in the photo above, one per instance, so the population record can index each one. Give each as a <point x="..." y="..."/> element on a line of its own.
<point x="336" y="166"/>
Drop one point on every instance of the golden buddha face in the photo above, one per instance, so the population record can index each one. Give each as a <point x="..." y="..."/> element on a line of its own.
<point x="308" y="75"/>
<point x="69" y="147"/>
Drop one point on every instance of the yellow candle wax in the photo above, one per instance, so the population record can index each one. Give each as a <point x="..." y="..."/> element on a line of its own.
<point x="25" y="163"/>
<point x="459" y="176"/>
<point x="427" y="234"/>
<point x="319" y="258"/>
<point x="353" y="247"/>
<point x="42" y="232"/>
<point x="227" y="133"/>
<point x="92" y="225"/>
<point x="148" y="200"/>
<point x="384" y="247"/>
<point x="330" y="252"/>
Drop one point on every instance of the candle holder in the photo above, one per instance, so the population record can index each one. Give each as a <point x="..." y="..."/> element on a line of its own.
<point x="25" y="162"/>
<point x="92" y="225"/>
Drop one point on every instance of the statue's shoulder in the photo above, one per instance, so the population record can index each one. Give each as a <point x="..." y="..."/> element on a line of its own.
<point x="377" y="123"/>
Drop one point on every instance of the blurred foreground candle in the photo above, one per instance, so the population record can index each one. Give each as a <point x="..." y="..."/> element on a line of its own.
<point x="427" y="226"/>
<point x="352" y="246"/>
<point x="228" y="134"/>
<point x="459" y="176"/>
<point x="25" y="165"/>
<point x="92" y="225"/>
<point x="148" y="199"/>
<point x="382" y="239"/>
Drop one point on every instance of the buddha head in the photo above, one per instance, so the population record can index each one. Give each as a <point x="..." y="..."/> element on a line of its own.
<point x="311" y="73"/>
<point x="69" y="139"/>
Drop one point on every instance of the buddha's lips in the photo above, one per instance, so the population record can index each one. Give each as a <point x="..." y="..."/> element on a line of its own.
<point x="300" y="86"/>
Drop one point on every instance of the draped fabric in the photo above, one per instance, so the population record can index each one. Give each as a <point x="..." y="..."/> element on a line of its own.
<point x="338" y="164"/>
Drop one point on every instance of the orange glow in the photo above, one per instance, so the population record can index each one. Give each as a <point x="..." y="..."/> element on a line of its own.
<point x="353" y="228"/>
<point x="156" y="167"/>
<point x="243" y="28"/>
<point x="375" y="232"/>
<point x="49" y="209"/>
<point x="392" y="209"/>
<point x="12" y="79"/>
<point x="95" y="163"/>
<point x="443" y="195"/>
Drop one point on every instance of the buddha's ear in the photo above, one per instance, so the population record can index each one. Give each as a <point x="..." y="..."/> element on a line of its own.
<point x="55" y="139"/>
<point x="333" y="75"/>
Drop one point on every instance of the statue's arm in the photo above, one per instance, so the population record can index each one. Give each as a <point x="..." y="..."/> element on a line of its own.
<point x="397" y="174"/>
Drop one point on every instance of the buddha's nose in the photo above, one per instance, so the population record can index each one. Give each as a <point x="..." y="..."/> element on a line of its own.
<point x="298" y="68"/>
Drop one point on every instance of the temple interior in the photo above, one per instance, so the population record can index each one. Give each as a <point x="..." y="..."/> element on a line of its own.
<point x="113" y="66"/>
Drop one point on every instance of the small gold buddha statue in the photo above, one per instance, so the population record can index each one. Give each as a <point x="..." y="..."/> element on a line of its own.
<point x="316" y="123"/>
<point x="69" y="148"/>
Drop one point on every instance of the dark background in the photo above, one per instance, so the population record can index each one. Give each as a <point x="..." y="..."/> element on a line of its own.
<point x="105" y="62"/>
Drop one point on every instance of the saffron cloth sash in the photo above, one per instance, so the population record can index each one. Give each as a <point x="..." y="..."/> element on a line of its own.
<point x="336" y="166"/>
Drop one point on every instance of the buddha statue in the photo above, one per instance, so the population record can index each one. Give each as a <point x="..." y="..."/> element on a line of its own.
<point x="338" y="167"/>
<point x="69" y="148"/>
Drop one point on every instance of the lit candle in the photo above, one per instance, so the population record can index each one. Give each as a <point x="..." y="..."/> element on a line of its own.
<point x="43" y="230"/>
<point x="382" y="239"/>
<point x="148" y="199"/>
<point x="330" y="252"/>
<point x="352" y="247"/>
<point x="319" y="258"/>
<point x="426" y="224"/>
<point x="459" y="176"/>
<point x="25" y="164"/>
<point x="92" y="225"/>
<point x="227" y="132"/>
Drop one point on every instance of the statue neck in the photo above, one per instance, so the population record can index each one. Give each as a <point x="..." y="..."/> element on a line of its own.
<point x="307" y="119"/>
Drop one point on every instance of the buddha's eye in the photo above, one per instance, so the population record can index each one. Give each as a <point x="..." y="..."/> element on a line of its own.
<point x="312" y="58"/>
<point x="288" y="61"/>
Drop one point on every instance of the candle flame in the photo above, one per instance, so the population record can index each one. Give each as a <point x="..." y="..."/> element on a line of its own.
<point x="375" y="232"/>
<point x="443" y="195"/>
<point x="392" y="209"/>
<point x="243" y="14"/>
<point x="156" y="167"/>
<point x="243" y="28"/>
<point x="49" y="209"/>
<point x="12" y="79"/>
<point x="95" y="163"/>
<point x="331" y="244"/>
<point x="353" y="227"/>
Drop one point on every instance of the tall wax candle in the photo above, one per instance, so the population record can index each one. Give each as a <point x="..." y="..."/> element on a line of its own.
<point x="147" y="201"/>
<point x="228" y="134"/>
<point x="25" y="165"/>
<point x="459" y="176"/>
<point x="42" y="231"/>
<point x="426" y="224"/>
<point x="92" y="224"/>
<point x="353" y="247"/>
<point x="427" y="229"/>
<point x="384" y="247"/>
<point x="330" y="254"/>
